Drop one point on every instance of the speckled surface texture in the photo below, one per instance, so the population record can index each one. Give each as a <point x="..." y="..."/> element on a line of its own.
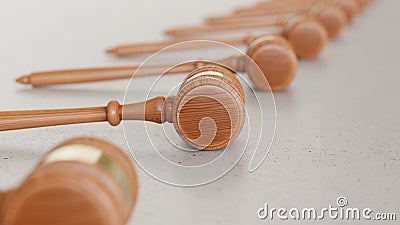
<point x="338" y="125"/>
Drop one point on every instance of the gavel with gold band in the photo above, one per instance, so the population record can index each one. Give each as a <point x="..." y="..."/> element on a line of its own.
<point x="272" y="54"/>
<point x="81" y="181"/>
<point x="208" y="111"/>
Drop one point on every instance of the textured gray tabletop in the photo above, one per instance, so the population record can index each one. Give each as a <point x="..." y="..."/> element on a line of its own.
<point x="338" y="125"/>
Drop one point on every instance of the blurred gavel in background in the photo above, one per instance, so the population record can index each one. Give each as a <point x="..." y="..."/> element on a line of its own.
<point x="305" y="33"/>
<point x="350" y="7"/>
<point x="273" y="55"/>
<point x="83" y="181"/>
<point x="208" y="111"/>
<point x="331" y="17"/>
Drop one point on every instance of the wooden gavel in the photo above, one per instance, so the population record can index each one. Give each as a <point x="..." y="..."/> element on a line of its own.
<point x="208" y="111"/>
<point x="331" y="17"/>
<point x="305" y="33"/>
<point x="82" y="181"/>
<point x="350" y="7"/>
<point x="273" y="55"/>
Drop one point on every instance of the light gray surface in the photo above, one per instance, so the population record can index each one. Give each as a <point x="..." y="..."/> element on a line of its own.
<point x="338" y="127"/>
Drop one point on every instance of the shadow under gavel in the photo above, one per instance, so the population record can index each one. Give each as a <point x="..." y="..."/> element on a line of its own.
<point x="81" y="181"/>
<point x="208" y="111"/>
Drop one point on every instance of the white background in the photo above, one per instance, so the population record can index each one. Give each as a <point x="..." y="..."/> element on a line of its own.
<point x="338" y="127"/>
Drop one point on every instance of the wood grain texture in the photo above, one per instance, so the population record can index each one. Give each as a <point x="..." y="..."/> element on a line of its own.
<point x="215" y="83"/>
<point x="113" y="113"/>
<point x="273" y="60"/>
<point x="13" y="120"/>
<point x="70" y="192"/>
<point x="209" y="110"/>
<point x="153" y="47"/>
<point x="278" y="62"/>
<point x="273" y="54"/>
<point x="73" y="76"/>
<point x="151" y="110"/>
<point x="47" y="78"/>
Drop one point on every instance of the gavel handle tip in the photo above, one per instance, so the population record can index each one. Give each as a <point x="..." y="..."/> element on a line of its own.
<point x="169" y="33"/>
<point x="24" y="80"/>
<point x="111" y="51"/>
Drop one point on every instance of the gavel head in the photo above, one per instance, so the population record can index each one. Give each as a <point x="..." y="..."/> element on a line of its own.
<point x="306" y="34"/>
<point x="82" y="181"/>
<point x="350" y="8"/>
<point x="331" y="17"/>
<point x="274" y="56"/>
<point x="363" y="3"/>
<point x="209" y="110"/>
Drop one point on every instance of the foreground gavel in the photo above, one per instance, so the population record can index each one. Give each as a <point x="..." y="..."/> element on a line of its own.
<point x="208" y="111"/>
<point x="83" y="181"/>
<point x="305" y="33"/>
<point x="330" y="16"/>
<point x="273" y="54"/>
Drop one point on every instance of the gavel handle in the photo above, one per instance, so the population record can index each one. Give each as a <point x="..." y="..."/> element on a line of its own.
<point x="278" y="5"/>
<point x="60" y="77"/>
<point x="256" y="15"/>
<point x="15" y="120"/>
<point x="267" y="11"/>
<point x="148" y="48"/>
<point x="202" y="29"/>
<point x="150" y="110"/>
<point x="2" y="206"/>
<point x="152" y="47"/>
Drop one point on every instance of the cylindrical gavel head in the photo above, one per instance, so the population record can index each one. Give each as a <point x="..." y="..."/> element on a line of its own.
<point x="274" y="56"/>
<point x="306" y="34"/>
<point x="331" y="17"/>
<point x="82" y="181"/>
<point x="350" y="7"/>
<point x="209" y="110"/>
<point x="364" y="3"/>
